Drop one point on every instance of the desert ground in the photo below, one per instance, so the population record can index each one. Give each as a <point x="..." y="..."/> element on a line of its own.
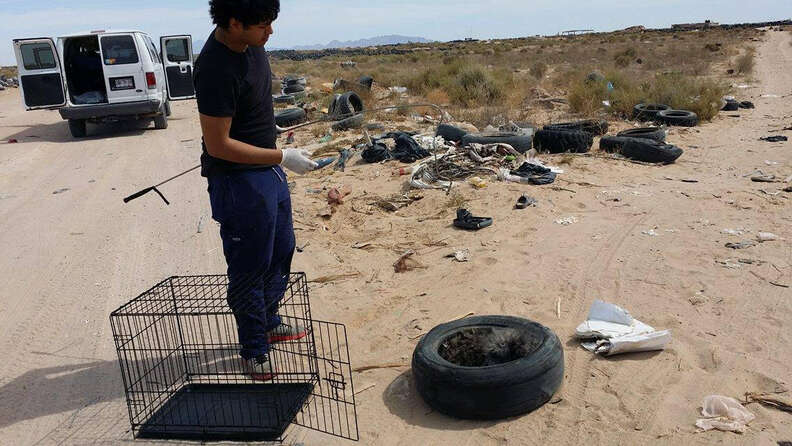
<point x="72" y="257"/>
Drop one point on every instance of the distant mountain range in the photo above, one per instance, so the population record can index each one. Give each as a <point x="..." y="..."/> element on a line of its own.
<point x="374" y="41"/>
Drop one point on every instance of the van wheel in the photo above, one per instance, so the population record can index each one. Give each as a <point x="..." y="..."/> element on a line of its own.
<point x="161" y="120"/>
<point x="78" y="128"/>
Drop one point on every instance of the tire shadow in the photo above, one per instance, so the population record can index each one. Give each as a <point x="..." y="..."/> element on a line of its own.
<point x="402" y="399"/>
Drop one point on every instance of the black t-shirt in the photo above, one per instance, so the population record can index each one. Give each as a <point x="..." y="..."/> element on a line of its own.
<point x="238" y="86"/>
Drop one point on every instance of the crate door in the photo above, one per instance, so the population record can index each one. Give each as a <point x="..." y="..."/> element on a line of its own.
<point x="331" y="408"/>
<point x="40" y="73"/>
<point x="177" y="58"/>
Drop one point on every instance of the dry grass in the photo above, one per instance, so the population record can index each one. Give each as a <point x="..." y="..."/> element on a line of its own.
<point x="8" y="71"/>
<point x="746" y="62"/>
<point x="456" y="201"/>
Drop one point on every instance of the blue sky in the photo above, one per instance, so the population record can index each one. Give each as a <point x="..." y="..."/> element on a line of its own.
<point x="320" y="21"/>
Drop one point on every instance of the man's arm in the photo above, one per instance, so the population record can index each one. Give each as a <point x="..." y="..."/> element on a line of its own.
<point x="219" y="144"/>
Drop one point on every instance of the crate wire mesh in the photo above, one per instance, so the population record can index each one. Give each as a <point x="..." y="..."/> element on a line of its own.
<point x="178" y="349"/>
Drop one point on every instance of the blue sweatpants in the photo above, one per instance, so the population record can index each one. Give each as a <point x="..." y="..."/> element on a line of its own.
<point x="254" y="211"/>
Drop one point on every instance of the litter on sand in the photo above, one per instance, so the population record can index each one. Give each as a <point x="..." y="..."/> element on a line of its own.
<point x="725" y="414"/>
<point x="766" y="237"/>
<point x="776" y="138"/>
<point x="611" y="330"/>
<point x="566" y="221"/>
<point x="462" y="255"/>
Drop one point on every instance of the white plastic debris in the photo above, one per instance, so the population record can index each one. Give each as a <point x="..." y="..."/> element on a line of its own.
<point x="611" y="330"/>
<point x="766" y="237"/>
<point x="725" y="414"/>
<point x="738" y="231"/>
<point x="462" y="255"/>
<point x="651" y="233"/>
<point x="566" y="221"/>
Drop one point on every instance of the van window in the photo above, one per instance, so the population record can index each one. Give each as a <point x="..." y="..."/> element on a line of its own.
<point x="37" y="56"/>
<point x="152" y="49"/>
<point x="119" y="50"/>
<point x="177" y="51"/>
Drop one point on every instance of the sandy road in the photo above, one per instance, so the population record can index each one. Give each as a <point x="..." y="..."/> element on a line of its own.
<point x="71" y="258"/>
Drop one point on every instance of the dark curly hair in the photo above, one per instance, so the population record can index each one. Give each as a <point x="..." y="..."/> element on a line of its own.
<point x="248" y="12"/>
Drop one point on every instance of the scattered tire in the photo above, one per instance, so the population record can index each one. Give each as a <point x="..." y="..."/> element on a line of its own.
<point x="296" y="88"/>
<point x="650" y="151"/>
<point x="655" y="133"/>
<point x="348" y="123"/>
<point x="560" y="141"/>
<point x="346" y="104"/>
<point x="459" y="373"/>
<point x="294" y="80"/>
<point x="613" y="144"/>
<point x="648" y="112"/>
<point x="595" y="127"/>
<point x="731" y="105"/>
<point x="366" y="81"/>
<point x="78" y="128"/>
<point x="520" y="143"/>
<point x="682" y="118"/>
<point x="747" y="104"/>
<point x="290" y="117"/>
<point x="451" y="133"/>
<point x="283" y="99"/>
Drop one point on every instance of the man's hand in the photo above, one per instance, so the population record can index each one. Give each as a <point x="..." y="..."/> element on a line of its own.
<point x="297" y="161"/>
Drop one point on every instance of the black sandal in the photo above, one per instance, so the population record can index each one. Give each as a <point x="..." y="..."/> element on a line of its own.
<point x="466" y="220"/>
<point x="524" y="202"/>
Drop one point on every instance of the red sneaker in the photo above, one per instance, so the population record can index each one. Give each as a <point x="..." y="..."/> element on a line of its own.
<point x="259" y="369"/>
<point x="288" y="330"/>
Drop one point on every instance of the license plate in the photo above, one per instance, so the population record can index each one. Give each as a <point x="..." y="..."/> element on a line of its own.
<point x="122" y="83"/>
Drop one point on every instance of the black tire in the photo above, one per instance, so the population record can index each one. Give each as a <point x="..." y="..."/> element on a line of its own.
<point x="167" y="109"/>
<point x="731" y="105"/>
<point x="495" y="391"/>
<point x="655" y="133"/>
<point x="613" y="144"/>
<point x="648" y="112"/>
<point x="747" y="104"/>
<point x="294" y="80"/>
<point x="451" y="133"/>
<point x="651" y="151"/>
<point x="560" y="141"/>
<point x="520" y="143"/>
<point x="349" y="103"/>
<point x="290" y="117"/>
<point x="289" y="89"/>
<point x="283" y="99"/>
<point x="78" y="128"/>
<point x="348" y="123"/>
<point x="595" y="127"/>
<point x="161" y="120"/>
<point x="366" y="81"/>
<point x="681" y="118"/>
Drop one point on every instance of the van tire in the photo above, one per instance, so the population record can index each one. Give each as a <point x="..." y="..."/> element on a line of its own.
<point x="489" y="392"/>
<point x="78" y="128"/>
<point x="161" y="120"/>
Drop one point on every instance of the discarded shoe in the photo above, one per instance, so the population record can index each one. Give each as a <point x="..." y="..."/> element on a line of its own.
<point x="465" y="220"/>
<point x="525" y="201"/>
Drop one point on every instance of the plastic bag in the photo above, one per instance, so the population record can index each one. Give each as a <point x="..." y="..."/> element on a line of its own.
<point x="725" y="414"/>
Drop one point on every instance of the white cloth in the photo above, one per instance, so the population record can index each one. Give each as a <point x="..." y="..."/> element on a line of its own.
<point x="611" y="330"/>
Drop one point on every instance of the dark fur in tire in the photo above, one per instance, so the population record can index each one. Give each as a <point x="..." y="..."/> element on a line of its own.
<point x="451" y="133"/>
<point x="520" y="143"/>
<point x="651" y="151"/>
<point x="655" y="133"/>
<point x="648" y="112"/>
<point x="560" y="141"/>
<point x="595" y="127"/>
<point x="682" y="118"/>
<point x="498" y="388"/>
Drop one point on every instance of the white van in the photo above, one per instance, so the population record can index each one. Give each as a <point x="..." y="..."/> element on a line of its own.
<point x="105" y="76"/>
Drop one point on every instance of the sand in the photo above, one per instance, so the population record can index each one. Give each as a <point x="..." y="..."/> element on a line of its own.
<point x="71" y="258"/>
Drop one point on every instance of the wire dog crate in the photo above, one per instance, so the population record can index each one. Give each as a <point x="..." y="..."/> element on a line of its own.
<point x="178" y="348"/>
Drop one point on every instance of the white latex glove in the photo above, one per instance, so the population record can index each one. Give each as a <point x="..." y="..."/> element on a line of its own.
<point x="297" y="161"/>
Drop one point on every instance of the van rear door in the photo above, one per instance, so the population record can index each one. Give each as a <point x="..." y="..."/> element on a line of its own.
<point x="40" y="73"/>
<point x="177" y="56"/>
<point x="124" y="76"/>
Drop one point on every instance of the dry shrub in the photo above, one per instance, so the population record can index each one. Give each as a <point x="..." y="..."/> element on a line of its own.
<point x="538" y="70"/>
<point x="437" y="96"/>
<point x="745" y="63"/>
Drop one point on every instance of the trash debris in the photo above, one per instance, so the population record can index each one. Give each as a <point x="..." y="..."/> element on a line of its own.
<point x="739" y="231"/>
<point x="407" y="263"/>
<point x="343" y="158"/>
<point x="766" y="237"/>
<point x="724" y="413"/>
<point x="398" y="90"/>
<point x="775" y="138"/>
<point x="395" y="202"/>
<point x="768" y="401"/>
<point x="60" y="191"/>
<point x="651" y="233"/>
<point x="460" y="256"/>
<point x="741" y="245"/>
<point x="477" y="182"/>
<point x="566" y="221"/>
<point x="611" y="330"/>
<point x="763" y="179"/>
<point x="324" y="162"/>
<point x="336" y="195"/>
<point x="529" y="173"/>
<point x="13" y="141"/>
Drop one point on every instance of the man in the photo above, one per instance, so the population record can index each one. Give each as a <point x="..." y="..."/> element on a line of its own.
<point x="248" y="190"/>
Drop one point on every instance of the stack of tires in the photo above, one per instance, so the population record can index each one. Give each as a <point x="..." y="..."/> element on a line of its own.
<point x="664" y="114"/>
<point x="293" y="89"/>
<point x="645" y="144"/>
<point x="569" y="137"/>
